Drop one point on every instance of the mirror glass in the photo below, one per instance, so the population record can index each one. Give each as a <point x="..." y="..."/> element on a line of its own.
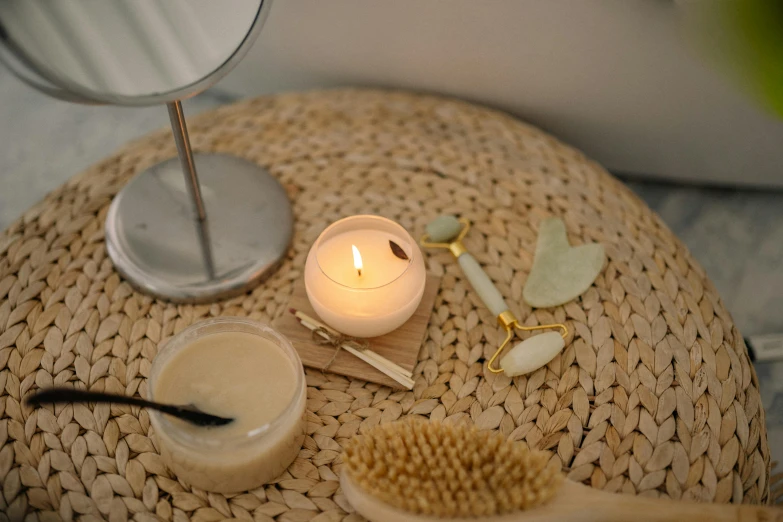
<point x="110" y="50"/>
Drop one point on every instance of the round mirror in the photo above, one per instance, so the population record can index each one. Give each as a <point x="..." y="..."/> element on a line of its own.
<point x="129" y="52"/>
<point x="224" y="225"/>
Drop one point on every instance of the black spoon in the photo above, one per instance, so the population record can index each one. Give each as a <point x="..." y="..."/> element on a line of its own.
<point x="187" y="412"/>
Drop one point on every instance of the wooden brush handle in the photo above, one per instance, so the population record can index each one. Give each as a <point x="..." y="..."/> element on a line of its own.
<point x="612" y="507"/>
<point x="578" y="503"/>
<point x="656" y="510"/>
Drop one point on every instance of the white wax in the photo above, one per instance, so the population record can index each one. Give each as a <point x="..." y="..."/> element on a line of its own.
<point x="383" y="296"/>
<point x="379" y="265"/>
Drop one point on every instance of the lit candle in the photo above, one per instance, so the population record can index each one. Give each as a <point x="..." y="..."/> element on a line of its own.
<point x="357" y="260"/>
<point x="356" y="282"/>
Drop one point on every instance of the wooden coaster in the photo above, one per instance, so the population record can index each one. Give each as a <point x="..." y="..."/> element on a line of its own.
<point x="400" y="346"/>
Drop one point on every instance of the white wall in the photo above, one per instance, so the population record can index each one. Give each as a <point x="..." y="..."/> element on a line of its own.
<point x="615" y="78"/>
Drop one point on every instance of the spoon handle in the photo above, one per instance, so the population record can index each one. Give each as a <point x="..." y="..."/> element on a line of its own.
<point x="62" y="395"/>
<point x="65" y="395"/>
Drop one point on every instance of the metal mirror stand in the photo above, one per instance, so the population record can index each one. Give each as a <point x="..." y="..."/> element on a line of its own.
<point x="182" y="140"/>
<point x="213" y="234"/>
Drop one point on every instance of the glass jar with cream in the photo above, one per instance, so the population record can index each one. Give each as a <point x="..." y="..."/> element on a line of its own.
<point x="236" y="368"/>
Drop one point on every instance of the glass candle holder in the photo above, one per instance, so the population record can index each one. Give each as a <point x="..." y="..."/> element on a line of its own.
<point x="237" y="368"/>
<point x="355" y="281"/>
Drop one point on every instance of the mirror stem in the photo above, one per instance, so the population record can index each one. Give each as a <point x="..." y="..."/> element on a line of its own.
<point x="181" y="138"/>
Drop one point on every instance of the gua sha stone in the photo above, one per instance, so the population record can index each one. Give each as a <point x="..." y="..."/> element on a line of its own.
<point x="560" y="272"/>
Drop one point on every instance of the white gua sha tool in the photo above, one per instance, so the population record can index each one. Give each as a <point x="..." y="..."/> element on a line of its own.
<point x="527" y="356"/>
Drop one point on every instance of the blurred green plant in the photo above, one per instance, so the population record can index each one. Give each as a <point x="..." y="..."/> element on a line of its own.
<point x="747" y="35"/>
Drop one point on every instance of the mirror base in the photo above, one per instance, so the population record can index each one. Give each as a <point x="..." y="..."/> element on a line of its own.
<point x="157" y="243"/>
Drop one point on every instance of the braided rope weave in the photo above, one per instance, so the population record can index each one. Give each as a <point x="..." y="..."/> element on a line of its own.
<point x="653" y="395"/>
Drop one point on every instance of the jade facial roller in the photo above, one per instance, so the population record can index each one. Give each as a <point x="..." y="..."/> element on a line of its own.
<point x="527" y="356"/>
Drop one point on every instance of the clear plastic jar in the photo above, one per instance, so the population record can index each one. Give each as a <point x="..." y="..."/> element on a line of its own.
<point x="236" y="368"/>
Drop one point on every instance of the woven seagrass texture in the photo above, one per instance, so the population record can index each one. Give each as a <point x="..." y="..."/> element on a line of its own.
<point x="653" y="395"/>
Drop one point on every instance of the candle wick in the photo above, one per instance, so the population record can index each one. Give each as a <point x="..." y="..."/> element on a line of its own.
<point x="360" y="271"/>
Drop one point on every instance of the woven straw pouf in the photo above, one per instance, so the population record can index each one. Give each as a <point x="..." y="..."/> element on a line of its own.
<point x="653" y="395"/>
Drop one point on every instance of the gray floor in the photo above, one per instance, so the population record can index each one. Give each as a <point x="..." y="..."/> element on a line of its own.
<point x="736" y="235"/>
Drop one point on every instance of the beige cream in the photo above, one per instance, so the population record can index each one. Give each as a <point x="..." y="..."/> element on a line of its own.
<point x="232" y="368"/>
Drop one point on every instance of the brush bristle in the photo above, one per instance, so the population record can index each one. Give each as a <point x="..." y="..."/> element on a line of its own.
<point x="443" y="470"/>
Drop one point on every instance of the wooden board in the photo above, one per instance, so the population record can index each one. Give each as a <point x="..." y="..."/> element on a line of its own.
<point x="400" y="346"/>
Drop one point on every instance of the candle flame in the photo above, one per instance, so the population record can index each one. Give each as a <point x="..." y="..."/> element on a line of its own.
<point x="357" y="259"/>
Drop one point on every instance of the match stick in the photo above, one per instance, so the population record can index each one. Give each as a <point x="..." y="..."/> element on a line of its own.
<point x="379" y="357"/>
<point x="393" y="371"/>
